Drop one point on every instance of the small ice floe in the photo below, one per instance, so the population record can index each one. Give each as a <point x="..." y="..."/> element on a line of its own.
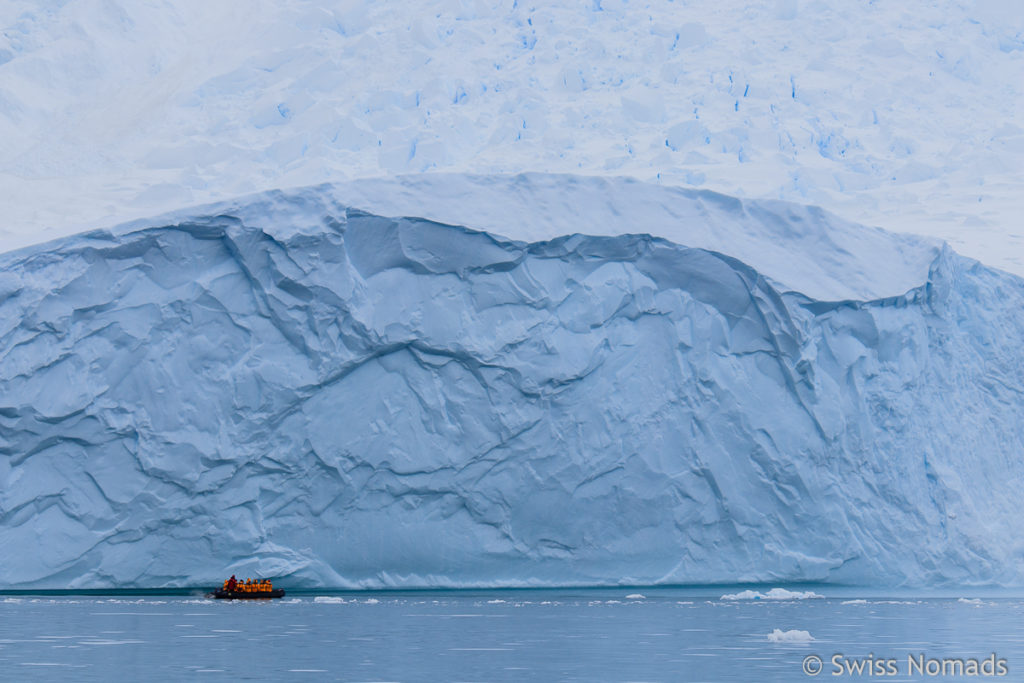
<point x="971" y="601"/>
<point x="44" y="664"/>
<point x="371" y="601"/>
<point x="329" y="600"/>
<point x="773" y="594"/>
<point x="495" y="602"/>
<point x="108" y="641"/>
<point x="858" y="601"/>
<point x="636" y="596"/>
<point x="794" y="636"/>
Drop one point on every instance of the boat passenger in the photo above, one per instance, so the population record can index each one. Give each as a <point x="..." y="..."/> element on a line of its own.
<point x="232" y="585"/>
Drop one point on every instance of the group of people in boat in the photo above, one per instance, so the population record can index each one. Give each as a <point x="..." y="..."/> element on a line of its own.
<point x="233" y="585"/>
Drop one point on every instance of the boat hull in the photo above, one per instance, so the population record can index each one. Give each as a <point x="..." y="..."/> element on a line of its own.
<point x="237" y="595"/>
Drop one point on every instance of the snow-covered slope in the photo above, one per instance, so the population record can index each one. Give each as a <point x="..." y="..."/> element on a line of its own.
<point x="800" y="247"/>
<point x="293" y="387"/>
<point x="903" y="115"/>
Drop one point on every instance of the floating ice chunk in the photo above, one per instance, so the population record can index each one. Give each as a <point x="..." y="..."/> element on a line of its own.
<point x="324" y="599"/>
<point x="970" y="601"/>
<point x="859" y="601"/>
<point x="773" y="594"/>
<point x="636" y="596"/>
<point x="744" y="595"/>
<point x="794" y="636"/>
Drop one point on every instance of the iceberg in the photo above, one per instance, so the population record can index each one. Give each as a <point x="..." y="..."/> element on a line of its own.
<point x="792" y="636"/>
<point x="597" y="382"/>
<point x="773" y="594"/>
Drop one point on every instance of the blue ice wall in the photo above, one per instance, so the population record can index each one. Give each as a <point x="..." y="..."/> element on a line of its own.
<point x="309" y="391"/>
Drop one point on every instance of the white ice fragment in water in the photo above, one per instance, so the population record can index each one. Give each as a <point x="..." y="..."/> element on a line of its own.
<point x="329" y="600"/>
<point x="636" y="596"/>
<point x="970" y="601"/>
<point x="794" y="636"/>
<point x="859" y="601"/>
<point x="773" y="594"/>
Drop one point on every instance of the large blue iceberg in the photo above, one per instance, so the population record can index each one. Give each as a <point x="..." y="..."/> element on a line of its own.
<point x="298" y="384"/>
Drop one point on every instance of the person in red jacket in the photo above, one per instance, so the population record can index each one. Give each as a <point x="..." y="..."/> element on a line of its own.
<point x="232" y="584"/>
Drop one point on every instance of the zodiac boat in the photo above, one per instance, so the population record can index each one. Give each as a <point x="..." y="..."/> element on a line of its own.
<point x="247" y="595"/>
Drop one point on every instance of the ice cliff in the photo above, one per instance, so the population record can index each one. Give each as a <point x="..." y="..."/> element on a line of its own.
<point x="334" y="386"/>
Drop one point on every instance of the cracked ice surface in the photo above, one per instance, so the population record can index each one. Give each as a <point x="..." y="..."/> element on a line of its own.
<point x="294" y="386"/>
<point x="901" y="115"/>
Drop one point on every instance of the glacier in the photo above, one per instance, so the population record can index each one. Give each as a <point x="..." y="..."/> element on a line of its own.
<point x="907" y="117"/>
<point x="596" y="382"/>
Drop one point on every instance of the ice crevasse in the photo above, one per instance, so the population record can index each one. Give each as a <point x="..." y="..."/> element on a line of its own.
<point x="507" y="381"/>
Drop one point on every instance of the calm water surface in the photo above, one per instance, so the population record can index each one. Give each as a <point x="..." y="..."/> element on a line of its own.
<point x="572" y="635"/>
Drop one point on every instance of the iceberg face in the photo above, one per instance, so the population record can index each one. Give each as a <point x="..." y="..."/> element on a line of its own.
<point x="288" y="386"/>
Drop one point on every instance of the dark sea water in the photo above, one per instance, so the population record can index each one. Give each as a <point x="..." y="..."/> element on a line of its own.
<point x="548" y="635"/>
